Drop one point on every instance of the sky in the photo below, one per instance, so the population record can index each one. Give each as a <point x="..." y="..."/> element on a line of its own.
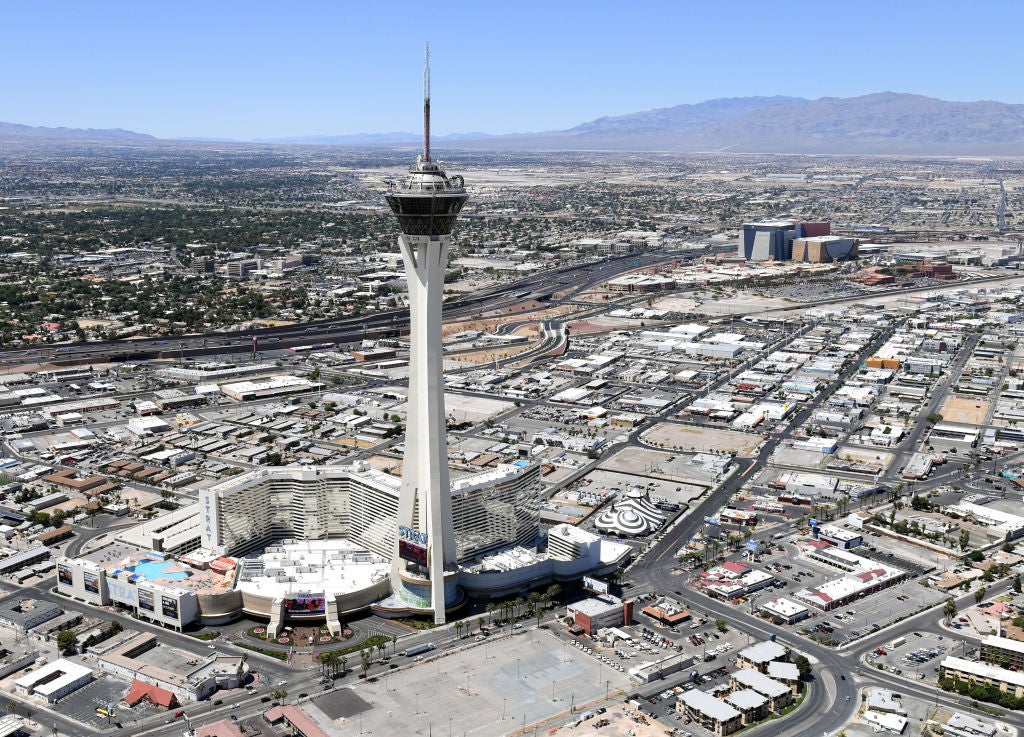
<point x="252" y="70"/>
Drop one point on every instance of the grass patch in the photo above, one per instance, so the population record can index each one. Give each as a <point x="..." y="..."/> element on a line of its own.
<point x="263" y="650"/>
<point x="204" y="635"/>
<point x="420" y="624"/>
<point x="371" y="641"/>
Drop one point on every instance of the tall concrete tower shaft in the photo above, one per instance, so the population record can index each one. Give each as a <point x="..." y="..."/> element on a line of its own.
<point x="426" y="205"/>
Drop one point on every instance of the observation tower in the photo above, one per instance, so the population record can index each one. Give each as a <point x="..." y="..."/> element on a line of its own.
<point x="427" y="203"/>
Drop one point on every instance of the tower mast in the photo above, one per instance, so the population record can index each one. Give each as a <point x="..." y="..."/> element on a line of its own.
<point x="426" y="104"/>
<point x="425" y="564"/>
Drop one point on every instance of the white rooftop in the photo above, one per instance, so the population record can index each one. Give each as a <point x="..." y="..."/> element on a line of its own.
<point x="1003" y="642"/>
<point x="707" y="704"/>
<point x="763" y="652"/>
<point x="783" y="671"/>
<point x="759" y="682"/>
<point x="746" y="698"/>
<point x="330" y="567"/>
<point x="783" y="607"/>
<point x="983" y="670"/>
<point x="53" y="676"/>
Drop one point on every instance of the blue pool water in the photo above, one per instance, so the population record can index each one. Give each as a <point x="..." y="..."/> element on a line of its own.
<point x="154" y="569"/>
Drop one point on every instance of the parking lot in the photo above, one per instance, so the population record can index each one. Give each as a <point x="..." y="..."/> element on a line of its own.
<point x="861" y="617"/>
<point x="494" y="687"/>
<point x="915" y="656"/>
<point x="107" y="692"/>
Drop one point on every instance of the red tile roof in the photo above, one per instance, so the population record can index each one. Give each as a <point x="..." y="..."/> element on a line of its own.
<point x="141" y="690"/>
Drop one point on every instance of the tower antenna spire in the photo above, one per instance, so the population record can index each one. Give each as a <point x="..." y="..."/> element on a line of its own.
<point x="426" y="104"/>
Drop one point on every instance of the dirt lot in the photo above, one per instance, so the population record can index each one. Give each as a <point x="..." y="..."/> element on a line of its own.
<point x="708" y="440"/>
<point x="969" y="410"/>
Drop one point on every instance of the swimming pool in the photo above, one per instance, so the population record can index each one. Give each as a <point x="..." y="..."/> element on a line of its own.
<point x="154" y="569"/>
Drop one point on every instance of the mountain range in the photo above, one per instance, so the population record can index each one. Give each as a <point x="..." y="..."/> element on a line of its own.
<point x="881" y="123"/>
<point x="16" y="131"/>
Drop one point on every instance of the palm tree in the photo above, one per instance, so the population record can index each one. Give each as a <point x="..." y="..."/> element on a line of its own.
<point x="394" y="644"/>
<point x="344" y="665"/>
<point x="327" y="661"/>
<point x="364" y="660"/>
<point x="949" y="610"/>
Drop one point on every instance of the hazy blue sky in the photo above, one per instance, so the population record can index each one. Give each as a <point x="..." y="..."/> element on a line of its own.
<point x="260" y="69"/>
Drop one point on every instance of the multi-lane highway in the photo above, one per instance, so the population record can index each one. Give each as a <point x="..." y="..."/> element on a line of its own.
<point x="542" y="287"/>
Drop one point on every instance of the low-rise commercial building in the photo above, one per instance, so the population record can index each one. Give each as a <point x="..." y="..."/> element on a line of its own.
<point x="784" y="611"/>
<point x="599" y="612"/>
<point x="54" y="680"/>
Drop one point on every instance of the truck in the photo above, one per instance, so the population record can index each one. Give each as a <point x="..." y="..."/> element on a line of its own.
<point x="417" y="649"/>
<point x="896" y="643"/>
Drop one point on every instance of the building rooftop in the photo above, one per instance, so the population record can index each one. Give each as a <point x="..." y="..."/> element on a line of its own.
<point x="783" y="671"/>
<point x="325" y="567"/>
<point x="53" y="676"/>
<point x="1004" y="643"/>
<point x="746" y="698"/>
<point x="763" y="652"/>
<point x="597" y="606"/>
<point x="983" y="670"/>
<point x="783" y="607"/>
<point x="707" y="704"/>
<point x="759" y="682"/>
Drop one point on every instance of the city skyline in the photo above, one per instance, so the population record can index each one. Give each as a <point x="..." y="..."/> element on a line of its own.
<point x="195" y="71"/>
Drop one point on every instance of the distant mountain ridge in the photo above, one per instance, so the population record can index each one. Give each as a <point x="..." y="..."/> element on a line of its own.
<point x="881" y="123"/>
<point x="18" y="131"/>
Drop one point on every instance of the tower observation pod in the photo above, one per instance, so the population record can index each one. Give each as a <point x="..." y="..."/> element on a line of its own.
<point x="427" y="203"/>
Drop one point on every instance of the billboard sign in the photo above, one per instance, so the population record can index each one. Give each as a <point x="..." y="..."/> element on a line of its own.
<point x="595" y="585"/>
<point x="169" y="607"/>
<point x="305" y="605"/>
<point x="412" y="545"/>
<point x="92" y="582"/>
<point x="146" y="600"/>
<point x="65" y="575"/>
<point x="412" y="553"/>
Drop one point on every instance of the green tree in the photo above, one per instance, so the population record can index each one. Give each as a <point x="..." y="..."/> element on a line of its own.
<point x="364" y="660"/>
<point x="66" y="640"/>
<point x="1016" y="583"/>
<point x="803" y="665"/>
<point x="722" y="625"/>
<point x="979" y="594"/>
<point x="965" y="539"/>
